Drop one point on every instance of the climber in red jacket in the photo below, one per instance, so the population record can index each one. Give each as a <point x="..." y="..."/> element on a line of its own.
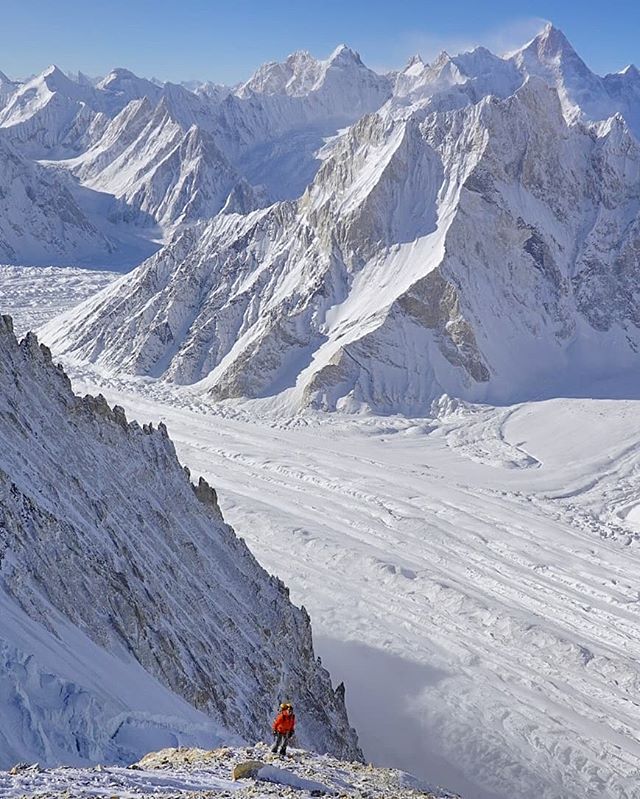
<point x="283" y="727"/>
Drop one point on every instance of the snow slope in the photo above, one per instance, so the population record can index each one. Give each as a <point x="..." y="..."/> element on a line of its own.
<point x="158" y="171"/>
<point x="131" y="614"/>
<point x="40" y="220"/>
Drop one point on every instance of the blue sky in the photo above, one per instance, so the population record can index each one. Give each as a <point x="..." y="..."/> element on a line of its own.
<point x="225" y="41"/>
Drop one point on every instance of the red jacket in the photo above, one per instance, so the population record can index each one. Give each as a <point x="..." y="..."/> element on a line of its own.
<point x="284" y="722"/>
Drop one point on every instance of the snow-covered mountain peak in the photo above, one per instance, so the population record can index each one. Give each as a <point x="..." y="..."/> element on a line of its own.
<point x="126" y="85"/>
<point x="552" y="43"/>
<point x="631" y="71"/>
<point x="583" y="94"/>
<point x="420" y="81"/>
<point x="214" y="91"/>
<point x="297" y="75"/>
<point x="551" y="52"/>
<point x="440" y="62"/>
<point x="116" y="74"/>
<point x="478" y="61"/>
<point x="301" y="73"/>
<point x="7" y="88"/>
<point x="53" y="74"/>
<point x="55" y="81"/>
<point x="415" y="62"/>
<point x="345" y="56"/>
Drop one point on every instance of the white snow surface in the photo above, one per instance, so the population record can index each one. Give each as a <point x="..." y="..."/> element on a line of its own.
<point x="471" y="575"/>
<point x="196" y="773"/>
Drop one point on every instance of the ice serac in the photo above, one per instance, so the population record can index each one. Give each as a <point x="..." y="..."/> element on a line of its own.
<point x="130" y="613"/>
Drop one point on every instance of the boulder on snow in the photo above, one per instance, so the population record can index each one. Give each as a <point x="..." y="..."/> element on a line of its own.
<point x="19" y="768"/>
<point x="282" y="776"/>
<point x="249" y="768"/>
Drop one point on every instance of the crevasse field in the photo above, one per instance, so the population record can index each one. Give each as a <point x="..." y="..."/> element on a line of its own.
<point x="473" y="577"/>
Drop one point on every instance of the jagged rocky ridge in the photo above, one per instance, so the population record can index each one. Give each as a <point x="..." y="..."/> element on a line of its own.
<point x="130" y="613"/>
<point x="479" y="236"/>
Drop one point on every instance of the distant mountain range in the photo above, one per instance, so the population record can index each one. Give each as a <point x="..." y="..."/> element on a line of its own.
<point x="342" y="239"/>
<point x="136" y="159"/>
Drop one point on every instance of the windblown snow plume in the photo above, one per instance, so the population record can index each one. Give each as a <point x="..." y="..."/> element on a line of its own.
<point x="130" y="613"/>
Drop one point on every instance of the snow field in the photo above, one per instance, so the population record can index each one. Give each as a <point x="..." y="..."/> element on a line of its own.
<point x="198" y="773"/>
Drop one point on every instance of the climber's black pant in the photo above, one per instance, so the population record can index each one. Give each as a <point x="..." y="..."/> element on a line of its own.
<point x="282" y="739"/>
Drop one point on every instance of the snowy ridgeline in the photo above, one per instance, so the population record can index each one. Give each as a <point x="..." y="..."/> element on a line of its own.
<point x="196" y="773"/>
<point x="476" y="235"/>
<point x="131" y="616"/>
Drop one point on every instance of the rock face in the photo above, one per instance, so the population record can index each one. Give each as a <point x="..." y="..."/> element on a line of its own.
<point x="477" y="236"/>
<point x="129" y="611"/>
